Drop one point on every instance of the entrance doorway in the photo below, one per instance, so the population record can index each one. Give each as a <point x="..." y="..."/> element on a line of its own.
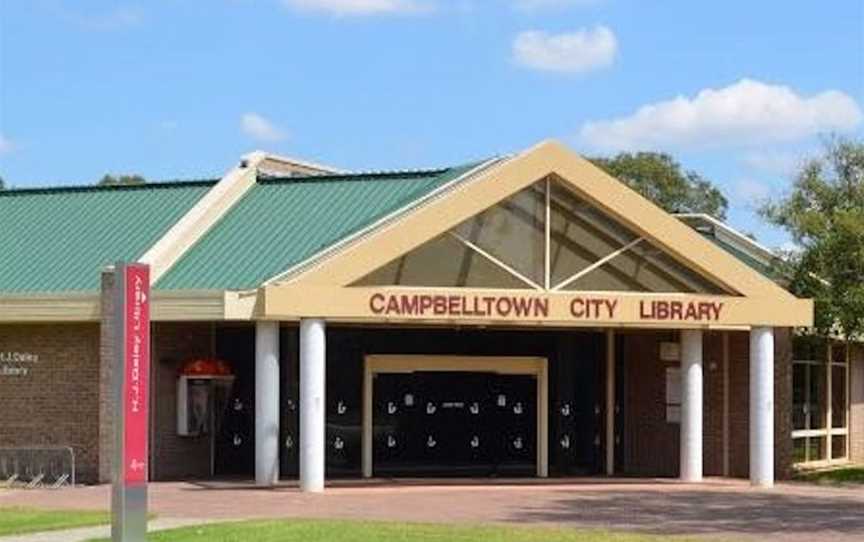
<point x="455" y="416"/>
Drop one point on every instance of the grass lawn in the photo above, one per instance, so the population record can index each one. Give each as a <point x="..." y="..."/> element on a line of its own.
<point x="843" y="475"/>
<point x="356" y="531"/>
<point x="28" y="520"/>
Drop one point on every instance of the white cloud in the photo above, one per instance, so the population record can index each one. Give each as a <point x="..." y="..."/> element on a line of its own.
<point x="574" y="52"/>
<point x="6" y="145"/>
<point x="773" y="162"/>
<point x="260" y="128"/>
<point x="751" y="191"/>
<point x="360" y="7"/>
<point x="744" y="113"/>
<point x="538" y="5"/>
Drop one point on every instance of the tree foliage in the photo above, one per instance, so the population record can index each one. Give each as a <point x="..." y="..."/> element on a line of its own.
<point x="824" y="213"/>
<point x="661" y="179"/>
<point x="121" y="180"/>
<point x="2" y="184"/>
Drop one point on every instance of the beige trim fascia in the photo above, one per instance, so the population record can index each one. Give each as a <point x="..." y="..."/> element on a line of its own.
<point x="187" y="305"/>
<point x="66" y="307"/>
<point x="489" y="187"/>
<point x="277" y="164"/>
<point x="322" y="258"/>
<point x="181" y="305"/>
<point x="299" y="300"/>
<point x="202" y="216"/>
<point x="242" y="305"/>
<point x="512" y="365"/>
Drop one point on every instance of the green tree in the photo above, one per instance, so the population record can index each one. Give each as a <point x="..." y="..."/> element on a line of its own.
<point x="121" y="180"/>
<point x="661" y="179"/>
<point x="2" y="184"/>
<point x="824" y="213"/>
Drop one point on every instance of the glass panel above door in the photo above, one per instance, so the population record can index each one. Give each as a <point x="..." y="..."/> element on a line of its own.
<point x="506" y="246"/>
<point x="443" y="262"/>
<point x="580" y="234"/>
<point x="643" y="268"/>
<point x="513" y="231"/>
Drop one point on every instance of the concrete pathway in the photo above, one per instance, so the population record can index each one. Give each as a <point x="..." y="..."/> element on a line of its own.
<point x="717" y="508"/>
<point x="103" y="531"/>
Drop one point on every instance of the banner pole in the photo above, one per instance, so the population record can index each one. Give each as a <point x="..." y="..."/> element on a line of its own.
<point x="129" y="468"/>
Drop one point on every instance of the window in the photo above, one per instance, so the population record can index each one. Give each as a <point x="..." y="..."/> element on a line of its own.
<point x="820" y="401"/>
<point x="544" y="237"/>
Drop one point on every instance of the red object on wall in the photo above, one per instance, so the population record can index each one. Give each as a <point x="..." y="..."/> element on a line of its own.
<point x="206" y="367"/>
<point x="136" y="284"/>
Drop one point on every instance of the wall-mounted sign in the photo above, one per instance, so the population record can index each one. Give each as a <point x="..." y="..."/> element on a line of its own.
<point x="17" y="363"/>
<point x="670" y="351"/>
<point x="537" y="307"/>
<point x="521" y="307"/>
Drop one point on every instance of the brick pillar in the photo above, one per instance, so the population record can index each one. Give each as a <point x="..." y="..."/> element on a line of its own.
<point x="856" y="402"/>
<point x="783" y="403"/>
<point x="106" y="364"/>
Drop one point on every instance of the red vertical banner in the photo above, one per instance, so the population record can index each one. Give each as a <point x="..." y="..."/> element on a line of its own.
<point x="135" y="392"/>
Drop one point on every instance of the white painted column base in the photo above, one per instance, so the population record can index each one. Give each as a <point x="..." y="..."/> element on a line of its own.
<point x="266" y="403"/>
<point x="762" y="406"/>
<point x="312" y="404"/>
<point x="691" y="405"/>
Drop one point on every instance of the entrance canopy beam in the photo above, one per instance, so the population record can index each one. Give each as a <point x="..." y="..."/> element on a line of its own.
<point x="475" y="306"/>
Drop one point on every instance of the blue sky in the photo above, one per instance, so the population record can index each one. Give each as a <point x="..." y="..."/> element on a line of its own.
<point x="738" y="91"/>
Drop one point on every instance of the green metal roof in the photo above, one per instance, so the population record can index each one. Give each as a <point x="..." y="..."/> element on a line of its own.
<point x="281" y="222"/>
<point x="59" y="239"/>
<point x="750" y="261"/>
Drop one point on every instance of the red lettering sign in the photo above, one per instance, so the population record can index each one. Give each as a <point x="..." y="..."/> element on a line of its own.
<point x="531" y="307"/>
<point x="136" y="369"/>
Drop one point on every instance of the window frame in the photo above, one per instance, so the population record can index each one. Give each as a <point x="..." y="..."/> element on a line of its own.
<point x="827" y="432"/>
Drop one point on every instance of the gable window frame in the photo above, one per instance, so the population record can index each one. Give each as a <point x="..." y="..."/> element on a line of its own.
<point x="545" y="282"/>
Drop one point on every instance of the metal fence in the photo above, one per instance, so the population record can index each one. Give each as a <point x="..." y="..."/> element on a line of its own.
<point x="50" y="467"/>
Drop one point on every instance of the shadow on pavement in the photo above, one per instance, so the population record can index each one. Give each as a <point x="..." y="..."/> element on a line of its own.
<point x="699" y="512"/>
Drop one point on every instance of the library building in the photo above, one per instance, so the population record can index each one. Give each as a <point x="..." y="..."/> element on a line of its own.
<point x="521" y="316"/>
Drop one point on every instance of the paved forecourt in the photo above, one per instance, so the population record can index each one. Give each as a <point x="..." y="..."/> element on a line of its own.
<point x="718" y="508"/>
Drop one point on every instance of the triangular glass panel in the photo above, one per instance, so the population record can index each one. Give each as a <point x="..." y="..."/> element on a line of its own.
<point x="442" y="262"/>
<point x="505" y="246"/>
<point x="643" y="268"/>
<point x="579" y="234"/>
<point x="513" y="232"/>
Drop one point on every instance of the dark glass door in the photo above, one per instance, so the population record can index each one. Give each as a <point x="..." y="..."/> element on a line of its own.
<point x="454" y="424"/>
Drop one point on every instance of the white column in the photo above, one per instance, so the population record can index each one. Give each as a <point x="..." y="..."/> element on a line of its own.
<point x="762" y="406"/>
<point x="266" y="403"/>
<point x="312" y="406"/>
<point x="691" y="405"/>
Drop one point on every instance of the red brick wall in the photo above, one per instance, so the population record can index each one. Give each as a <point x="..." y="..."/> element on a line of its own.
<point x="57" y="403"/>
<point x="783" y="403"/>
<point x="856" y="401"/>
<point x="712" y="412"/>
<point x="174" y="457"/>
<point x="652" y="444"/>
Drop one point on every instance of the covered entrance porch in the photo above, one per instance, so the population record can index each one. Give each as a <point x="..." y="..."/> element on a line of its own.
<point x="540" y="256"/>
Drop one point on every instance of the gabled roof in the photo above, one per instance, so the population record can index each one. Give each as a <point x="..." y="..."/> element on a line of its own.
<point x="282" y="221"/>
<point x="277" y="238"/>
<point x="326" y="286"/>
<point x="749" y="251"/>
<point x="59" y="239"/>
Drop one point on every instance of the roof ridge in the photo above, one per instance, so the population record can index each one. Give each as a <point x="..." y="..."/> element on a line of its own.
<point x="100" y="188"/>
<point x="381" y="174"/>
